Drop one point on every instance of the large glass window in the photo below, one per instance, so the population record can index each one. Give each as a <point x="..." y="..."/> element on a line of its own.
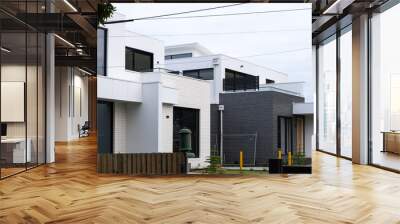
<point x="205" y="74"/>
<point x="186" y="118"/>
<point x="327" y="95"/>
<point x="346" y="93"/>
<point x="177" y="56"/>
<point x="137" y="60"/>
<point x="101" y="51"/>
<point x="385" y="89"/>
<point x="236" y="81"/>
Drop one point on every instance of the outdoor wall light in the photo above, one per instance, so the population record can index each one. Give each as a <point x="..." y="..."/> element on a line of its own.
<point x="5" y="50"/>
<point x="241" y="66"/>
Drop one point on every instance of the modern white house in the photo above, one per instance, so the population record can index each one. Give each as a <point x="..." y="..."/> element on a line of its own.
<point x="142" y="106"/>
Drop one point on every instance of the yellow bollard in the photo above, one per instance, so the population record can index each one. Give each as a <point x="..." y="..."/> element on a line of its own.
<point x="289" y="158"/>
<point x="241" y="159"/>
<point x="279" y="153"/>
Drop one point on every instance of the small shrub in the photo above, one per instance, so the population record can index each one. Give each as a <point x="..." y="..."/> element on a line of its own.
<point x="215" y="163"/>
<point x="299" y="158"/>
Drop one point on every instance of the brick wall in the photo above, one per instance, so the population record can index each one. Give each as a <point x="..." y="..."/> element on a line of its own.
<point x="250" y="113"/>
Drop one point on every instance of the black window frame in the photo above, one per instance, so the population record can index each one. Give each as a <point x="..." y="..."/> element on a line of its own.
<point x="240" y="81"/>
<point x="105" y="54"/>
<point x="269" y="81"/>
<point x="178" y="56"/>
<point x="137" y="51"/>
<point x="197" y="72"/>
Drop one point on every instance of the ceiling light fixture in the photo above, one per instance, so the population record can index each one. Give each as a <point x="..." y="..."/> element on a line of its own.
<point x="86" y="72"/>
<point x="338" y="6"/>
<point x="64" y="40"/>
<point x="70" y="5"/>
<point x="5" y="50"/>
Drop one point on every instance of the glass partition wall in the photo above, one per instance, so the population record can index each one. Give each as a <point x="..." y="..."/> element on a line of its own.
<point x="327" y="95"/>
<point x="22" y="77"/>
<point x="385" y="89"/>
<point x="334" y="94"/>
<point x="346" y="72"/>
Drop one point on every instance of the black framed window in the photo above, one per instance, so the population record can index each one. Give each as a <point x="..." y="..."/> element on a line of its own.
<point x="102" y="51"/>
<point x="137" y="60"/>
<point x="269" y="81"/>
<point x="205" y="74"/>
<point x="176" y="56"/>
<point x="240" y="81"/>
<point x="186" y="118"/>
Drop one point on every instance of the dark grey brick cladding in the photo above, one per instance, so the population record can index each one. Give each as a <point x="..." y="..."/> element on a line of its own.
<point x="251" y="112"/>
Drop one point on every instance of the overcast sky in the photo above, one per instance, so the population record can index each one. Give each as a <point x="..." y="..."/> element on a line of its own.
<point x="279" y="40"/>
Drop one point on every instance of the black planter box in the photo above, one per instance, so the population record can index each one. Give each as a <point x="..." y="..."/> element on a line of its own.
<point x="275" y="165"/>
<point x="297" y="169"/>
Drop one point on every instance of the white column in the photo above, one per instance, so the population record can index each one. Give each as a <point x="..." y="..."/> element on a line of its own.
<point x="50" y="99"/>
<point x="360" y="90"/>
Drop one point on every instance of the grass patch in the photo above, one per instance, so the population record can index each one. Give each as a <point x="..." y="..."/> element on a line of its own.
<point x="246" y="172"/>
<point x="221" y="171"/>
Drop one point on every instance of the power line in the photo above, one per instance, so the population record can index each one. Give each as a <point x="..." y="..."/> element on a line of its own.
<point x="172" y="14"/>
<point x="228" y="14"/>
<point x="212" y="34"/>
<point x="275" y="53"/>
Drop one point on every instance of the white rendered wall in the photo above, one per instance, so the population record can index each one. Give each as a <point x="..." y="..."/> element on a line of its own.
<point x="118" y="89"/>
<point x="143" y="122"/>
<point x="120" y="127"/>
<point x="194" y="48"/>
<point x="167" y="127"/>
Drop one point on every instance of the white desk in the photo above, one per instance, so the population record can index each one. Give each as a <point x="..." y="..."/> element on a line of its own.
<point x="19" y="153"/>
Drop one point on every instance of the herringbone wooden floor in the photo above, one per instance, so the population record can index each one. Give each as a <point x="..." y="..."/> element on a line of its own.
<point x="70" y="191"/>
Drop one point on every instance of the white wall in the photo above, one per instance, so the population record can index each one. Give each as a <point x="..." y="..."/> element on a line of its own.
<point x="119" y="89"/>
<point x="143" y="121"/>
<point x="120" y="127"/>
<point x="194" y="48"/>
<point x="167" y="127"/>
<point x="71" y="102"/>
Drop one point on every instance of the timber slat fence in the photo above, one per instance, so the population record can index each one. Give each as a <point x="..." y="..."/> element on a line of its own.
<point x="142" y="163"/>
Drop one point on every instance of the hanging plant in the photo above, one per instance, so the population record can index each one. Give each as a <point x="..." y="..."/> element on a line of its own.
<point x="104" y="12"/>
